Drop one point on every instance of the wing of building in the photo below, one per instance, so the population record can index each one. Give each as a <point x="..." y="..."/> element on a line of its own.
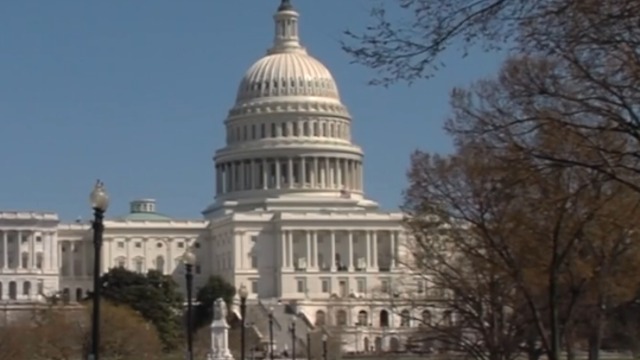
<point x="290" y="218"/>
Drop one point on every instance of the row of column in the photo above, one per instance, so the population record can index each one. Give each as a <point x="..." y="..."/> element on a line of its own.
<point x="30" y="255"/>
<point x="312" y="253"/>
<point x="311" y="128"/>
<point x="69" y="258"/>
<point x="288" y="173"/>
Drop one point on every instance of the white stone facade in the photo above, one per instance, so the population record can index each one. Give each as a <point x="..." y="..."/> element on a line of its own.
<point x="290" y="219"/>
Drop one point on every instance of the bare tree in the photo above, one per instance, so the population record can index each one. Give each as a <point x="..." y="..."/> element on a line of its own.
<point x="407" y="37"/>
<point x="519" y="224"/>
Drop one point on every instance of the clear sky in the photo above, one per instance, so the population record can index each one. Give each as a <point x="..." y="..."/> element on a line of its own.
<point x="135" y="93"/>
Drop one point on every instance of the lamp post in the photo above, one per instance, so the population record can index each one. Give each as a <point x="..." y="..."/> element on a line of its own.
<point x="189" y="259"/>
<point x="271" y="356"/>
<point x="293" y="337"/>
<point x="99" y="203"/>
<point x="324" y="346"/>
<point x="243" y="293"/>
<point x="308" y="345"/>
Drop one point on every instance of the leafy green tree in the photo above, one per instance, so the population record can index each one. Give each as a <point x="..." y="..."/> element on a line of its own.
<point x="215" y="288"/>
<point x="155" y="296"/>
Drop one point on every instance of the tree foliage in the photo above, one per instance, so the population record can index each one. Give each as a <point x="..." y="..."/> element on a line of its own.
<point x="155" y="296"/>
<point x="216" y="287"/>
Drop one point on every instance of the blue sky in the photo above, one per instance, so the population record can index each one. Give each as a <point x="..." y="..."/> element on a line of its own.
<point x="135" y="93"/>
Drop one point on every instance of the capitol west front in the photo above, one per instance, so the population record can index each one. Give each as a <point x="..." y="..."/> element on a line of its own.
<point x="290" y="220"/>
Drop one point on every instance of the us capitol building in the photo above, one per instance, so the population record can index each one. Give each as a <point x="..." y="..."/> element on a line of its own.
<point x="290" y="219"/>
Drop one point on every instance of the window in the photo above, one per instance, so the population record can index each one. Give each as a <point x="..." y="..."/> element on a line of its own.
<point x="300" y="286"/>
<point x="138" y="244"/>
<point x="38" y="238"/>
<point x="160" y="264"/>
<point x="26" y="288"/>
<point x="363" y="318"/>
<point x="159" y="245"/>
<point x="405" y="318"/>
<point x="254" y="238"/>
<point x="180" y="244"/>
<point x="139" y="265"/>
<point x="254" y="286"/>
<point x="326" y="286"/>
<point x="362" y="286"/>
<point x="420" y="286"/>
<point x="384" y="286"/>
<point x="40" y="287"/>
<point x="197" y="245"/>
<point x="254" y="262"/>
<point x="120" y="244"/>
<point x="39" y="260"/>
<point x="121" y="262"/>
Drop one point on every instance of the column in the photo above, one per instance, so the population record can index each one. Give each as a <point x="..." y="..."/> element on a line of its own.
<point x="254" y="175"/>
<point x="72" y="268"/>
<point x="327" y="181"/>
<point x="283" y="241"/>
<point x="32" y="250"/>
<point x="314" y="175"/>
<point x="350" y="244"/>
<point x="290" y="254"/>
<point x="394" y="242"/>
<point x="303" y="173"/>
<point x="265" y="174"/>
<point x="290" y="173"/>
<point x="217" y="180"/>
<point x="278" y="169"/>
<point x="368" y="249"/>
<point x="19" y="247"/>
<point x="5" y="254"/>
<point x="374" y="243"/>
<point x="332" y="255"/>
<point x="314" y="245"/>
<point x="242" y="176"/>
<point x="309" y="251"/>
<point x="345" y="174"/>
<point x="83" y="259"/>
<point x="338" y="169"/>
<point x="352" y="181"/>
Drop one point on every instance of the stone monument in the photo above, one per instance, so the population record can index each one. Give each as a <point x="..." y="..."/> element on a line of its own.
<point x="219" y="333"/>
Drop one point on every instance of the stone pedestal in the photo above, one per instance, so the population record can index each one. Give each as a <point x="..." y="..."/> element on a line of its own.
<point x="219" y="333"/>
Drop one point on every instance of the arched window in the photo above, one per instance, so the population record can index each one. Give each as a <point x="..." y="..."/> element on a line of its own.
<point x="426" y="317"/>
<point x="139" y="265"/>
<point x="160" y="263"/>
<point x="26" y="288"/>
<point x="320" y="318"/>
<point x="384" y="318"/>
<point x="363" y="318"/>
<point x="13" y="290"/>
<point x="405" y="318"/>
<point x="341" y="318"/>
<point x="78" y="294"/>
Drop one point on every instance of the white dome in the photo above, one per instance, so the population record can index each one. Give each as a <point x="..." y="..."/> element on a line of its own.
<point x="291" y="73"/>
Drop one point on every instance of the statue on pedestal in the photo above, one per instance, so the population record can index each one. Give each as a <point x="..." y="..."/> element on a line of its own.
<point x="219" y="333"/>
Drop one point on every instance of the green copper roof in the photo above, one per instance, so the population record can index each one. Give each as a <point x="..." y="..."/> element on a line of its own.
<point x="144" y="216"/>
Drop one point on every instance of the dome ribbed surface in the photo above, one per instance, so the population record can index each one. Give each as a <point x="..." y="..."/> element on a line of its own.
<point x="287" y="74"/>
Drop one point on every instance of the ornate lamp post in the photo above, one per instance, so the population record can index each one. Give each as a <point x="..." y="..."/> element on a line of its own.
<point x="308" y="345"/>
<point x="271" y="355"/>
<point x="99" y="203"/>
<point x="243" y="293"/>
<point x="324" y="346"/>
<point x="189" y="259"/>
<point x="293" y="337"/>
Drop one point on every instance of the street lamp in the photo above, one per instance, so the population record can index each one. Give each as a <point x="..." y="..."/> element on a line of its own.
<point x="243" y="293"/>
<point x="293" y="337"/>
<point x="324" y="346"/>
<point x="189" y="259"/>
<point x="271" y="357"/>
<point x="99" y="203"/>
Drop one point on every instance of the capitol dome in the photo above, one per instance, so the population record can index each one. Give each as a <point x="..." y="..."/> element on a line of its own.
<point x="288" y="135"/>
<point x="287" y="70"/>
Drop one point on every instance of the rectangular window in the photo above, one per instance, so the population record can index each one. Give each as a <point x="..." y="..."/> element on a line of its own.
<point x="362" y="286"/>
<point x="254" y="286"/>
<point x="384" y="286"/>
<point x="420" y="286"/>
<point x="138" y="244"/>
<point x="180" y="244"/>
<point x="344" y="288"/>
<point x="254" y="238"/>
<point x="301" y="286"/>
<point x="120" y="244"/>
<point x="326" y="286"/>
<point x="254" y="262"/>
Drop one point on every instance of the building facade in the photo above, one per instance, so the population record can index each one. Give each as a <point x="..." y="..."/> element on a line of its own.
<point x="290" y="220"/>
